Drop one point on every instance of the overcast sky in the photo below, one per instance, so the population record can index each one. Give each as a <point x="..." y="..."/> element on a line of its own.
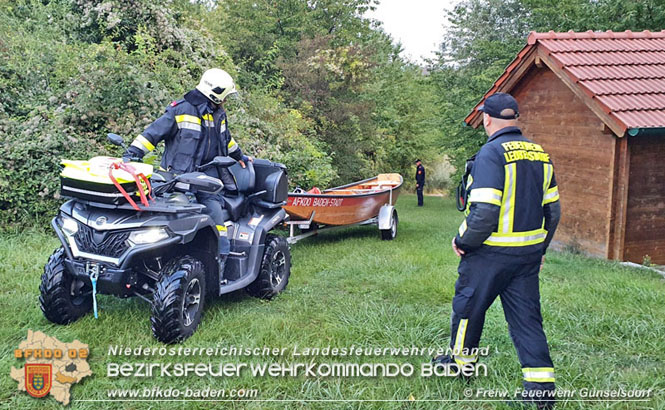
<point x="417" y="24"/>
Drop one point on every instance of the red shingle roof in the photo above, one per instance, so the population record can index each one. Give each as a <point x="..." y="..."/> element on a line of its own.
<point x="622" y="72"/>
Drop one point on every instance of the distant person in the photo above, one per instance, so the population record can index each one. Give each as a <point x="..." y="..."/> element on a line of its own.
<point x="512" y="213"/>
<point x="195" y="131"/>
<point x="420" y="181"/>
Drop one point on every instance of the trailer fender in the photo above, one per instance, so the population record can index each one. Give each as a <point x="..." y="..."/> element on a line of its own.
<point x="386" y="217"/>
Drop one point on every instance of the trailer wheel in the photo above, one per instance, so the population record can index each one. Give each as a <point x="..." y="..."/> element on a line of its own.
<point x="390" y="233"/>
<point x="275" y="269"/>
<point x="178" y="300"/>
<point x="62" y="298"/>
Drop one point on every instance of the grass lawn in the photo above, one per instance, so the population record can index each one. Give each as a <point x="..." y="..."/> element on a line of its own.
<point x="605" y="323"/>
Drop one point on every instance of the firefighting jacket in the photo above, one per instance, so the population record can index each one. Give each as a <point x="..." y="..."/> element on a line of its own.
<point x="192" y="128"/>
<point x="420" y="176"/>
<point x="513" y="198"/>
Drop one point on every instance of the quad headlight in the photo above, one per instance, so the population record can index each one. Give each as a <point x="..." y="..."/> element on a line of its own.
<point x="146" y="236"/>
<point x="68" y="224"/>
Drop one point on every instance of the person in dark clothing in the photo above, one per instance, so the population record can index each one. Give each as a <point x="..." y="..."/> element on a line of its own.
<point x="195" y="130"/>
<point x="420" y="181"/>
<point x="511" y="216"/>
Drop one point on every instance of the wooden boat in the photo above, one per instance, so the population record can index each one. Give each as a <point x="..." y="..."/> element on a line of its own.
<point x="345" y="205"/>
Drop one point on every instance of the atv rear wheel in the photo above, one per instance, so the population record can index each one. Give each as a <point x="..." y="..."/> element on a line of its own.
<point x="275" y="269"/>
<point x="62" y="298"/>
<point x="178" y="300"/>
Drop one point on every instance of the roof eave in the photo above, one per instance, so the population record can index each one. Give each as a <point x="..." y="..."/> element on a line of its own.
<point x="523" y="58"/>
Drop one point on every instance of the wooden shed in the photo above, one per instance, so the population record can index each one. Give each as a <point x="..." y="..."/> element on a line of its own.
<point x="596" y="102"/>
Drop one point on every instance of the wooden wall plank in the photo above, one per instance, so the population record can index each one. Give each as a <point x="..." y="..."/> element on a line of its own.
<point x="583" y="155"/>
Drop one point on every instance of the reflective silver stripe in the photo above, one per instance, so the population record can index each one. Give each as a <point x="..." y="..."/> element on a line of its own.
<point x="189" y="126"/>
<point x="459" y="339"/>
<point x="234" y="148"/>
<point x="517" y="239"/>
<point x="509" y="198"/>
<point x="223" y="127"/>
<point x="543" y="374"/>
<point x="462" y="228"/>
<point x="209" y="124"/>
<point x="461" y="333"/>
<point x="551" y="194"/>
<point x="95" y="193"/>
<point x="487" y="195"/>
<point x="140" y="146"/>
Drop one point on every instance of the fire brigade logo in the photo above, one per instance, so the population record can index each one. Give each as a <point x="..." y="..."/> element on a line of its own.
<point x="51" y="367"/>
<point x="38" y="379"/>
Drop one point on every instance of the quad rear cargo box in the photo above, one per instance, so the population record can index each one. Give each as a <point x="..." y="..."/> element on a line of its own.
<point x="271" y="177"/>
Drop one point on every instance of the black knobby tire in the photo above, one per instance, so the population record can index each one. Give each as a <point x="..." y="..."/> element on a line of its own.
<point x="62" y="298"/>
<point x="178" y="300"/>
<point x="390" y="233"/>
<point x="275" y="269"/>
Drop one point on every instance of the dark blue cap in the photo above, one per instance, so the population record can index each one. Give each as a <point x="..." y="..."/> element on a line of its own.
<point x="500" y="105"/>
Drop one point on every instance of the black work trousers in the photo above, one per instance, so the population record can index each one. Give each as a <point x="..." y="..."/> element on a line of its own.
<point x="214" y="206"/>
<point x="419" y="191"/>
<point x="482" y="277"/>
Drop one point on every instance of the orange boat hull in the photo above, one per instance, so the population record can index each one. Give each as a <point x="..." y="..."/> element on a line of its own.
<point x="348" y="204"/>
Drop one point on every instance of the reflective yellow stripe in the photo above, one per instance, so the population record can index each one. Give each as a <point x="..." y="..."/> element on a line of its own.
<point x="487" y="195"/>
<point x="547" y="176"/>
<point x="508" y="200"/>
<point x="187" y="118"/>
<point x="552" y="195"/>
<point x="208" y="120"/>
<point x="459" y="338"/>
<point x="462" y="359"/>
<point x="517" y="238"/>
<point x="462" y="228"/>
<point x="233" y="146"/>
<point x="144" y="142"/>
<point x="221" y="228"/>
<point x="538" y="374"/>
<point x="469" y="181"/>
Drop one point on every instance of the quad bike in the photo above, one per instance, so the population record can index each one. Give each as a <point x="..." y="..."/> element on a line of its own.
<point x="166" y="253"/>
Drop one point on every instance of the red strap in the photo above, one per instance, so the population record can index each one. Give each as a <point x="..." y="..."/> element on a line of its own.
<point x="138" y="177"/>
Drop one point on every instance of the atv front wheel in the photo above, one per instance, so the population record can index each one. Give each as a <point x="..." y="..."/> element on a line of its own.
<point x="62" y="298"/>
<point x="275" y="269"/>
<point x="178" y="300"/>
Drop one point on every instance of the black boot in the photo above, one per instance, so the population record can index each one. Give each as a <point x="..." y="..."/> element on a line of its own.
<point x="445" y="361"/>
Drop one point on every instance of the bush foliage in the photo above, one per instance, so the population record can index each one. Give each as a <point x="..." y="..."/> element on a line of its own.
<point x="321" y="88"/>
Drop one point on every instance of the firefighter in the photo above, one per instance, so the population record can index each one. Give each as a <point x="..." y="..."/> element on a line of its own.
<point x="512" y="213"/>
<point x="420" y="181"/>
<point x="195" y="130"/>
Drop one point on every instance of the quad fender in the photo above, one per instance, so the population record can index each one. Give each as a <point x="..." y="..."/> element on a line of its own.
<point x="386" y="217"/>
<point x="270" y="219"/>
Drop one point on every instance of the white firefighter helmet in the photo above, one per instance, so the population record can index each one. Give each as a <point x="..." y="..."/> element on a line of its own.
<point x="216" y="84"/>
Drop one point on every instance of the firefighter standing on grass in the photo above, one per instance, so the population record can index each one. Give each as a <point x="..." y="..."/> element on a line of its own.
<point x="512" y="213"/>
<point x="195" y="130"/>
<point x="420" y="181"/>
